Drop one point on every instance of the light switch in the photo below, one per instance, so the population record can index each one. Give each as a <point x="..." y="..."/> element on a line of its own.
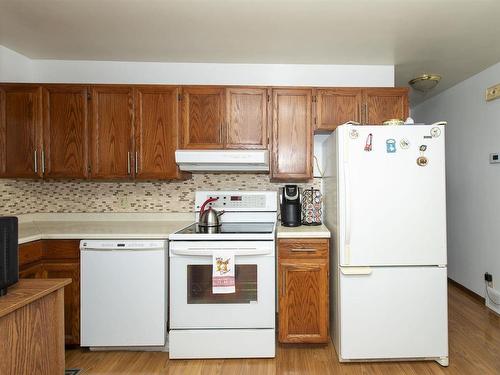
<point x="493" y="92"/>
<point x="494" y="158"/>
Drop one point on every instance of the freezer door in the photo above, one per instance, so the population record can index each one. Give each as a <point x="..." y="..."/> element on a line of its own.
<point x="393" y="312"/>
<point x="394" y="209"/>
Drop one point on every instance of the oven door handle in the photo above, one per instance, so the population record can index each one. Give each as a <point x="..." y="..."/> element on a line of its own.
<point x="209" y="252"/>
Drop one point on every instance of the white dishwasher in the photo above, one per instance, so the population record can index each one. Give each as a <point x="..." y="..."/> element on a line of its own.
<point x="123" y="293"/>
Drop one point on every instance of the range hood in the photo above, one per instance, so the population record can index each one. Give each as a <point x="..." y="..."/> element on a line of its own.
<point x="222" y="160"/>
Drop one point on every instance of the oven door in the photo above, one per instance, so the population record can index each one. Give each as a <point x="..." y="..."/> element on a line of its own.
<point x="194" y="306"/>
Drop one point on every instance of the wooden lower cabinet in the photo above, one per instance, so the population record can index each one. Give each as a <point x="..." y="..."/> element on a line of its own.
<point x="56" y="259"/>
<point x="303" y="291"/>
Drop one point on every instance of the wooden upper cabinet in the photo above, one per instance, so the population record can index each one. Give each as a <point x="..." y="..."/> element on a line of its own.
<point x="20" y="130"/>
<point x="111" y="134"/>
<point x="246" y="118"/>
<point x="203" y="111"/>
<point x="156" y="132"/>
<point x="382" y="104"/>
<point x="292" y="134"/>
<point x="335" y="107"/>
<point x="65" y="131"/>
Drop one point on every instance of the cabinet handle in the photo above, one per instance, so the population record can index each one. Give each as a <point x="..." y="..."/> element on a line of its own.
<point x="305" y="249"/>
<point x="36" y="161"/>
<point x="43" y="162"/>
<point x="283" y="283"/>
<point x="128" y="162"/>
<point x="136" y="165"/>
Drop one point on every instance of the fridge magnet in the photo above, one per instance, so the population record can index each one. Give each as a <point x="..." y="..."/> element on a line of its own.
<point x="404" y="144"/>
<point x="422" y="161"/>
<point x="369" y="142"/>
<point x="422" y="148"/>
<point x="353" y="134"/>
<point x="435" y="132"/>
<point x="390" y="145"/>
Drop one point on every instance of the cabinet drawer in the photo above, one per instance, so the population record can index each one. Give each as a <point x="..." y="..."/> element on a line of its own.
<point x="61" y="249"/>
<point x="29" y="253"/>
<point x="303" y="248"/>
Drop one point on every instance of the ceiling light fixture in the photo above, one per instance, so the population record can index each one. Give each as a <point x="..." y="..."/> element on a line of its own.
<point x="425" y="82"/>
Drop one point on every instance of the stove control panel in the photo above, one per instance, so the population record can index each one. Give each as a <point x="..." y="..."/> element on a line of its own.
<point x="238" y="200"/>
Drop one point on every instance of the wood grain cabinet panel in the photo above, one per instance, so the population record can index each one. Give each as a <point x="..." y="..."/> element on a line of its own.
<point x="382" y="104"/>
<point x="34" y="271"/>
<point x="303" y="283"/>
<point x="335" y="107"/>
<point x="20" y="131"/>
<point x="56" y="259"/>
<point x="111" y="135"/>
<point x="71" y="296"/>
<point x="156" y="132"/>
<point x="246" y="111"/>
<point x="203" y="110"/>
<point x="292" y="134"/>
<point x="303" y="306"/>
<point x="65" y="131"/>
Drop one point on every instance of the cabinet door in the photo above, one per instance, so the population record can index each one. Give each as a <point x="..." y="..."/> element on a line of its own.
<point x="35" y="271"/>
<point x="20" y="130"/>
<point x="292" y="134"/>
<point x="65" y="131"/>
<point x="111" y="133"/>
<point x="337" y="106"/>
<point x="71" y="296"/>
<point x="156" y="132"/>
<point x="303" y="302"/>
<point x="246" y="118"/>
<point x="203" y="117"/>
<point x="382" y="104"/>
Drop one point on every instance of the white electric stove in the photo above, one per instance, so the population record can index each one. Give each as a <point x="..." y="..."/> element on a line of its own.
<point x="234" y="325"/>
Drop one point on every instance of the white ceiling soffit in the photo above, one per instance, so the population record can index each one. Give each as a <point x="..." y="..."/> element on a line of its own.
<point x="454" y="38"/>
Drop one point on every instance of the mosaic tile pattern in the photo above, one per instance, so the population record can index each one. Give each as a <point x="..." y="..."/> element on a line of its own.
<point x="22" y="197"/>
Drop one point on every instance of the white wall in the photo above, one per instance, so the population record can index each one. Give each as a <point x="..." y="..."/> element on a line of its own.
<point x="473" y="185"/>
<point x="53" y="71"/>
<point x="15" y="67"/>
<point x="221" y="74"/>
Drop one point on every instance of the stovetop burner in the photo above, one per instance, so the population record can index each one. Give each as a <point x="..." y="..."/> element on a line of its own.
<point x="230" y="228"/>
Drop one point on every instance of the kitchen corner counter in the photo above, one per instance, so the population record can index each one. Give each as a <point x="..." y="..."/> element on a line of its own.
<point x="64" y="226"/>
<point x="304" y="231"/>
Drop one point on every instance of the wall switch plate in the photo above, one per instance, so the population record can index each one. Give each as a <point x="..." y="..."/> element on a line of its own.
<point x="493" y="92"/>
<point x="495" y="158"/>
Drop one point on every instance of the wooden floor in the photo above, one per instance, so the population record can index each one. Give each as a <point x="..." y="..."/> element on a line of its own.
<point x="474" y="350"/>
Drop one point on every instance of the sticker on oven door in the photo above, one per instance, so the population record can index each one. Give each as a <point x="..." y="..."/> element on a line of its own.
<point x="404" y="144"/>
<point x="390" y="145"/>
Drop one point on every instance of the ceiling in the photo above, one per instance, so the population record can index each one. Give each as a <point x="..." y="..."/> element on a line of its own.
<point x="454" y="38"/>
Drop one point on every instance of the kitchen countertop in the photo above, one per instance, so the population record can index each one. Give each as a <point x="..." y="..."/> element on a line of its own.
<point x="304" y="231"/>
<point x="93" y="226"/>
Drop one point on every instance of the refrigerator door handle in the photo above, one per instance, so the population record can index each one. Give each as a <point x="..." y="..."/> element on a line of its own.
<point x="356" y="270"/>
<point x="347" y="208"/>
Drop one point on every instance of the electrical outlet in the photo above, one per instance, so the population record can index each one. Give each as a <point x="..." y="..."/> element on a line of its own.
<point x="488" y="277"/>
<point x="493" y="92"/>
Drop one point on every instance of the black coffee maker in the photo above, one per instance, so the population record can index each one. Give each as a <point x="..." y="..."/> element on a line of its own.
<point x="290" y="206"/>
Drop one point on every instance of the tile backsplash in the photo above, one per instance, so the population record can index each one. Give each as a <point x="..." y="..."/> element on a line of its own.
<point x="22" y="197"/>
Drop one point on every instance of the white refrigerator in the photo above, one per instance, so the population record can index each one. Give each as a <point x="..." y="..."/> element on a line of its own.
<point x="385" y="204"/>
